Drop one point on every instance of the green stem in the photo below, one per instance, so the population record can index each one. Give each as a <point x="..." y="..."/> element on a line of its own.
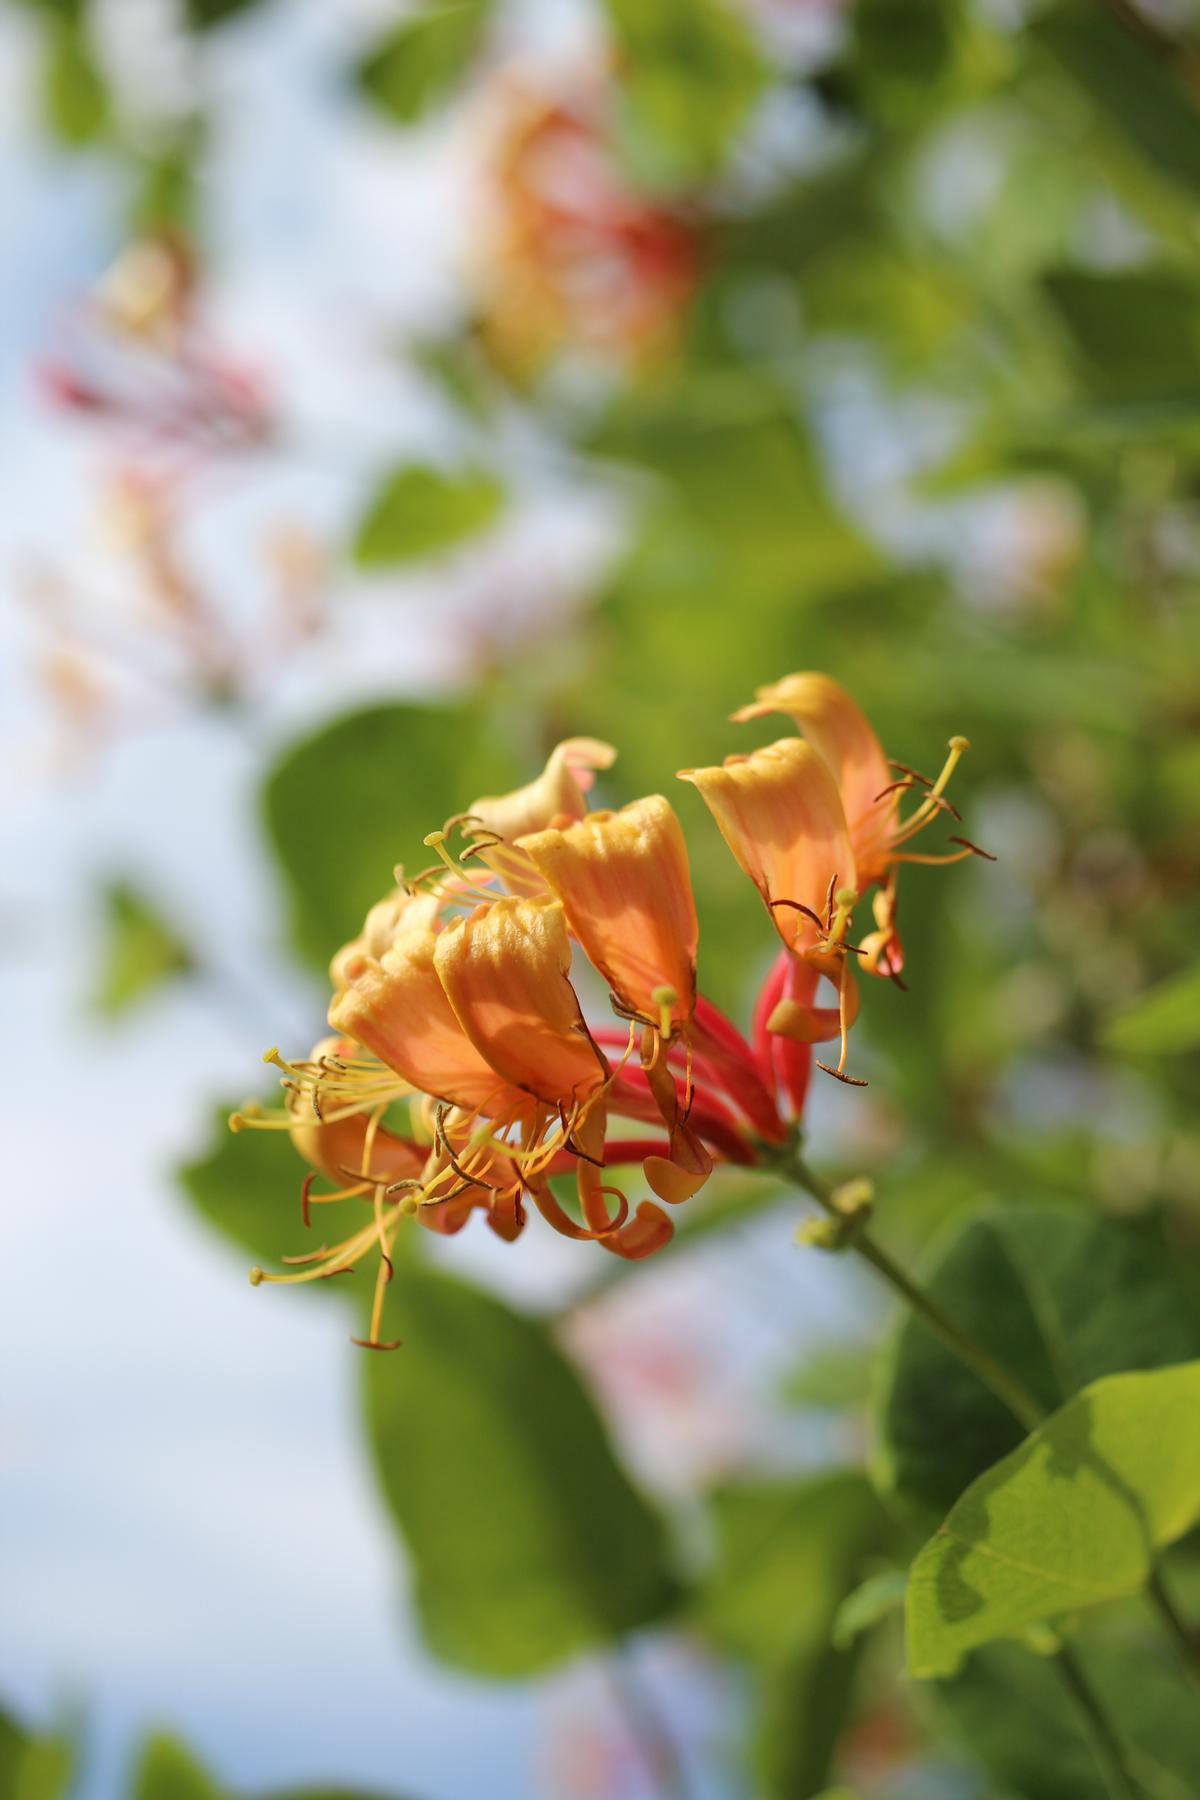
<point x="1186" y="1641"/>
<point x="999" y="1380"/>
<point x="1106" y="1746"/>
<point x="995" y="1376"/>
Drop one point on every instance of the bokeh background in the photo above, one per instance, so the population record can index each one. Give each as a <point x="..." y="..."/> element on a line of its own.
<point x="387" y="393"/>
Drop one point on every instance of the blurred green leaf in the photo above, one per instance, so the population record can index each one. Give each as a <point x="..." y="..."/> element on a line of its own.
<point x="417" y="511"/>
<point x="74" y="95"/>
<point x="877" y="1597"/>
<point x="1134" y="86"/>
<point x="32" y="1767"/>
<point x="788" y="1552"/>
<point x="690" y="72"/>
<point x="836" y="1377"/>
<point x="346" y="804"/>
<point x="1136" y="332"/>
<point x="424" y="58"/>
<point x="527" y="1540"/>
<point x="167" y="1770"/>
<point x="1069" y="1520"/>
<point x="203" y="15"/>
<point x="1014" y="1713"/>
<point x="1163" y="1022"/>
<point x="141" y="950"/>
<point x="1056" y="1295"/>
<point x="899" y="53"/>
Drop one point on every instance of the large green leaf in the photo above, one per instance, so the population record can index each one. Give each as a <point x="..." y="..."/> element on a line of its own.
<point x="32" y="1767"/>
<point x="1134" y="88"/>
<point x="424" y="58"/>
<point x="788" y="1552"/>
<point x="1136" y="332"/>
<point x="418" y="511"/>
<point x="346" y="804"/>
<point x="1014" y="1713"/>
<point x="1070" y="1519"/>
<point x="1162" y="1022"/>
<point x="1058" y="1296"/>
<point x="690" y="73"/>
<point x="527" y="1539"/>
<point x="142" y="950"/>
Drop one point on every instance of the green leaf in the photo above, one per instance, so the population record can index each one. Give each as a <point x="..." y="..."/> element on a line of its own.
<point x="424" y="58"/>
<point x="32" y="1768"/>
<point x="203" y="15"/>
<point x="141" y="951"/>
<point x="74" y="95"/>
<point x="690" y="74"/>
<point x="527" y="1539"/>
<point x="835" y="1377"/>
<point x="1163" y="1022"/>
<point x="1136" y="333"/>
<point x="1069" y="1520"/>
<point x="1013" y="1712"/>
<point x="166" y="1770"/>
<point x="860" y="1611"/>
<point x="1056" y="1295"/>
<point x="1133" y="87"/>
<point x="418" y="511"/>
<point x="787" y="1554"/>
<point x="346" y="804"/>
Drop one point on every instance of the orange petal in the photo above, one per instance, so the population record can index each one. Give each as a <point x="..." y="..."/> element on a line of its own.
<point x="505" y="971"/>
<point x="805" y="1024"/>
<point x="388" y="919"/>
<point x="624" y="881"/>
<point x="840" y="732"/>
<point x="557" y="793"/>
<point x="398" y="1009"/>
<point x="778" y="810"/>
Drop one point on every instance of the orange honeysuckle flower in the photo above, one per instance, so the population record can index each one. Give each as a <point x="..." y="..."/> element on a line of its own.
<point x="779" y="811"/>
<point x="871" y="790"/>
<point x="624" y="881"/>
<point x="557" y="796"/>
<point x="464" y="1076"/>
<point x="505" y="970"/>
<point x="397" y="1008"/>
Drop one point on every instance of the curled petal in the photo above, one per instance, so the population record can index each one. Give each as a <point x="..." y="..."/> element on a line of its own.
<point x="398" y="1009"/>
<point x="842" y="736"/>
<point x="504" y="970"/>
<point x="778" y="810"/>
<point x="804" y="1023"/>
<point x="387" y="921"/>
<point x="623" y="878"/>
<point x="558" y="794"/>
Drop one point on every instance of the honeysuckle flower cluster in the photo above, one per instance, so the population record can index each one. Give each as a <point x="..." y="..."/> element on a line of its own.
<point x="462" y="1075"/>
<point x="572" y="256"/>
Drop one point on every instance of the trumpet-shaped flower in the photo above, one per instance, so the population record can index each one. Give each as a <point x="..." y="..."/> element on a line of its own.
<point x="556" y="797"/>
<point x="871" y="790"/>
<point x="464" y="1077"/>
<point x="623" y="878"/>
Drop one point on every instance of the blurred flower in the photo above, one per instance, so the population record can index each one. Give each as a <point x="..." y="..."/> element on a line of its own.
<point x="573" y="256"/>
<point x="455" y="1011"/>
<point x="140" y="362"/>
